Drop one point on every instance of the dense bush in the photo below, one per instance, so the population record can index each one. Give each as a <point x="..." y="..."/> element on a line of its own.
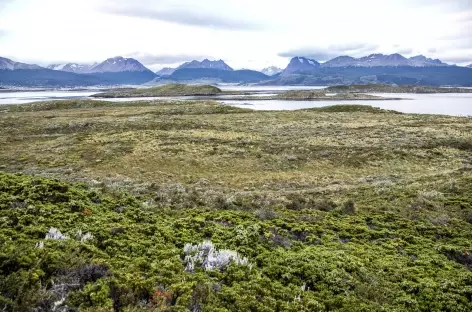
<point x="310" y="256"/>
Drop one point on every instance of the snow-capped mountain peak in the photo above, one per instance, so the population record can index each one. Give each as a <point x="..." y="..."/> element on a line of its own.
<point x="301" y="65"/>
<point x="423" y="61"/>
<point x="73" y="67"/>
<point x="111" y="65"/>
<point x="119" y="64"/>
<point x="381" y="60"/>
<point x="220" y="64"/>
<point x="56" y="66"/>
<point x="340" y="61"/>
<point x="166" y="71"/>
<point x="7" y="64"/>
<point x="272" y="70"/>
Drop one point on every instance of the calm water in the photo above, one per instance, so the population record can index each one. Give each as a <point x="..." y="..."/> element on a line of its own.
<point x="34" y="96"/>
<point x="446" y="104"/>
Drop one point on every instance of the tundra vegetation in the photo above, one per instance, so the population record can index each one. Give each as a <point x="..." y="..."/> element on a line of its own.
<point x="165" y="90"/>
<point x="178" y="206"/>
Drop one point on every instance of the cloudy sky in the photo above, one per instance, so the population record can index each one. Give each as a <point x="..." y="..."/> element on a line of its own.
<point x="245" y="33"/>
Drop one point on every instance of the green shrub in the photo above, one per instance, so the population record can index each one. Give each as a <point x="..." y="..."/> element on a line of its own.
<point x="349" y="207"/>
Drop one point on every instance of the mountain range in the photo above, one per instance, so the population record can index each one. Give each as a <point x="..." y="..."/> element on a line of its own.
<point x="111" y="65"/>
<point x="221" y="65"/>
<point x="375" y="60"/>
<point x="305" y="65"/>
<point x="113" y="71"/>
<point x="402" y="75"/>
<point x="73" y="67"/>
<point x="374" y="68"/>
<point x="20" y="74"/>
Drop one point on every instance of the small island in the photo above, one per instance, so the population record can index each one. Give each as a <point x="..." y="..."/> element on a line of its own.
<point x="321" y="95"/>
<point x="164" y="91"/>
<point x="314" y="95"/>
<point x="382" y="88"/>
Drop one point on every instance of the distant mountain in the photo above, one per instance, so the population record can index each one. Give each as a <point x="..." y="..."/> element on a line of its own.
<point x="120" y="70"/>
<point x="399" y="75"/>
<point x="470" y="66"/>
<point x="423" y="61"/>
<point x="28" y="75"/>
<point x="272" y="70"/>
<point x="166" y="71"/>
<point x="375" y="68"/>
<point x="119" y="64"/>
<point x="111" y="72"/>
<point x="218" y="75"/>
<point x="206" y="64"/>
<point x="73" y="67"/>
<point x="375" y="60"/>
<point x="378" y="59"/>
<point x="300" y="65"/>
<point x="116" y="70"/>
<point x="7" y="64"/>
<point x="340" y="61"/>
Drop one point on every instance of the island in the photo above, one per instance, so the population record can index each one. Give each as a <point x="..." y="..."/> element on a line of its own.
<point x="208" y="91"/>
<point x="164" y="91"/>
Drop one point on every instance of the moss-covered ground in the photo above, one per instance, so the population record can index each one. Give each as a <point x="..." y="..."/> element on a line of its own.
<point x="342" y="208"/>
<point x="165" y="90"/>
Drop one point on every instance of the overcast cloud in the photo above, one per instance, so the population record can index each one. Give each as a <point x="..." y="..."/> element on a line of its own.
<point x="244" y="33"/>
<point x="185" y="16"/>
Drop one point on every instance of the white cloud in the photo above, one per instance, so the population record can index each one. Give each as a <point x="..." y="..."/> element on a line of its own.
<point x="184" y="16"/>
<point x="245" y="33"/>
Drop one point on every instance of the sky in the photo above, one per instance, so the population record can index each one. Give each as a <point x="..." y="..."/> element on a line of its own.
<point x="249" y="34"/>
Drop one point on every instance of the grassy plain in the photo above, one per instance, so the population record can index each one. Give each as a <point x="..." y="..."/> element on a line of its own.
<point x="336" y="208"/>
